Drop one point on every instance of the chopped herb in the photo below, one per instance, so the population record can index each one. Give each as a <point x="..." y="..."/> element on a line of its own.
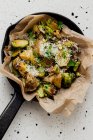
<point x="64" y="54"/>
<point x="60" y="25"/>
<point x="31" y="35"/>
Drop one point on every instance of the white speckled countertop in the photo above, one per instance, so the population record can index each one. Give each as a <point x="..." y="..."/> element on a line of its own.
<point x="31" y="121"/>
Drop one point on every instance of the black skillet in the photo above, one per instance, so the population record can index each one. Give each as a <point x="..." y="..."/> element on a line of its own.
<point x="17" y="99"/>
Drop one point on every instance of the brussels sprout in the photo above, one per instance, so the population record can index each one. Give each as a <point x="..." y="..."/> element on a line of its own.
<point x="77" y="64"/>
<point x="57" y="80"/>
<point x="41" y="72"/>
<point x="49" y="89"/>
<point x="49" y="79"/>
<point x="19" y="43"/>
<point x="67" y="79"/>
<point x="40" y="92"/>
<point x="16" y="73"/>
<point x="15" y="53"/>
<point x="28" y="55"/>
<point x="68" y="43"/>
<point x="56" y="69"/>
<point x="31" y="83"/>
<point x="20" y="66"/>
<point x="78" y="74"/>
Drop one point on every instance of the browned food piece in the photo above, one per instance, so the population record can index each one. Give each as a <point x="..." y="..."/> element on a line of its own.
<point x="28" y="55"/>
<point x="49" y="89"/>
<point x="19" y="43"/>
<point x="54" y="25"/>
<point x="54" y="79"/>
<point x="57" y="34"/>
<point x="20" y="66"/>
<point x="31" y="83"/>
<point x="15" y="53"/>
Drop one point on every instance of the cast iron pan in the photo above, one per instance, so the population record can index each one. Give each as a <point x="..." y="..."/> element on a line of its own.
<point x="17" y="100"/>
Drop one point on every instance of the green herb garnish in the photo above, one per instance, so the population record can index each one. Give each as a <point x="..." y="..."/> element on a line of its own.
<point x="60" y="25"/>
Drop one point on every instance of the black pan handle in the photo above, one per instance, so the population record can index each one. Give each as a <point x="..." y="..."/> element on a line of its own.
<point x="9" y="113"/>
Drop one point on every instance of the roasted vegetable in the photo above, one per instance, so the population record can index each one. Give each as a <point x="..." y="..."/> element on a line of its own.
<point x="68" y="43"/>
<point x="63" y="57"/>
<point x="49" y="89"/>
<point x="19" y="43"/>
<point x="28" y="55"/>
<point x="77" y="64"/>
<point x="57" y="80"/>
<point x="54" y="79"/>
<point x="67" y="79"/>
<point x="15" y="53"/>
<point x="46" y="59"/>
<point x="15" y="72"/>
<point x="31" y="83"/>
<point x="41" y="71"/>
<point x="20" y="66"/>
<point x="41" y="92"/>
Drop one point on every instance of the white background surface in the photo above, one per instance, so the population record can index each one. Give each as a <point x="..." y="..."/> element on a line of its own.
<point x="79" y="126"/>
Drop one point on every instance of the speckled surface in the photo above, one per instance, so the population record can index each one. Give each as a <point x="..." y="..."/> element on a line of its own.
<point x="32" y="122"/>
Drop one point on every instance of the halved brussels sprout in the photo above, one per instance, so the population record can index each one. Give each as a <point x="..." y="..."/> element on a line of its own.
<point x="77" y="64"/>
<point x="57" y="80"/>
<point x="28" y="55"/>
<point x="49" y="89"/>
<point x="54" y="79"/>
<point x="19" y="43"/>
<point x="15" y="53"/>
<point x="67" y="79"/>
<point x="31" y="83"/>
<point x="13" y="70"/>
<point x="40" y="92"/>
<point x="41" y="72"/>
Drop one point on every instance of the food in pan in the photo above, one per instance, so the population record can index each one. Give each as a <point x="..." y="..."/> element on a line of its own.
<point x="46" y="60"/>
<point x="49" y="61"/>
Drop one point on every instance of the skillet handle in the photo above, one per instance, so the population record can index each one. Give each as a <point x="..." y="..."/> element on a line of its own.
<point x="9" y="113"/>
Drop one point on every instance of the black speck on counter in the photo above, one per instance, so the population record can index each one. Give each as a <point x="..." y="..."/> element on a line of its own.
<point x="74" y="129"/>
<point x="83" y="128"/>
<point x="72" y="14"/>
<point x="60" y="132"/>
<point x="11" y="24"/>
<point x="76" y="16"/>
<point x="27" y="137"/>
<point x="91" y="82"/>
<point x="30" y="113"/>
<point x="86" y="12"/>
<point x="86" y="111"/>
<point x="83" y="30"/>
<point x="81" y="7"/>
<point x="17" y="132"/>
<point x="48" y="114"/>
<point x="25" y="114"/>
<point x="28" y="0"/>
<point x="36" y="124"/>
<point x="86" y="27"/>
<point x="78" y="22"/>
<point x="19" y="124"/>
<point x="85" y="99"/>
